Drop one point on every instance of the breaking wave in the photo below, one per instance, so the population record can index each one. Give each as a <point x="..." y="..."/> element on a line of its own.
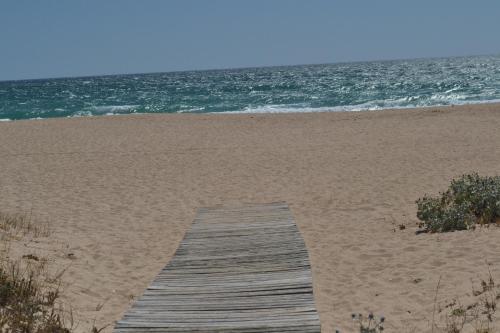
<point x="308" y="88"/>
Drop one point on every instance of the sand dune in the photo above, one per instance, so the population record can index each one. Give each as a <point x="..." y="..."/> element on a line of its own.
<point x="121" y="191"/>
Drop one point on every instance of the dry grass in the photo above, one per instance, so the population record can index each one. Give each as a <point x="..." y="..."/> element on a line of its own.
<point x="30" y="295"/>
<point x="21" y="225"/>
<point x="28" y="302"/>
<point x="477" y="315"/>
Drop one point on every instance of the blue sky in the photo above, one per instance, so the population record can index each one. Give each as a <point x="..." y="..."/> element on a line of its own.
<point x="50" y="38"/>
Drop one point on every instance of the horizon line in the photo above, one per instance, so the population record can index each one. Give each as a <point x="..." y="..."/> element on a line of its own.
<point x="244" y="67"/>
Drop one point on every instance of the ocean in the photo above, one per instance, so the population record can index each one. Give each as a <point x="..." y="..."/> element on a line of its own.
<point x="306" y="88"/>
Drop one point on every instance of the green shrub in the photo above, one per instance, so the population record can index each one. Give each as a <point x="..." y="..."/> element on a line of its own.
<point x="469" y="200"/>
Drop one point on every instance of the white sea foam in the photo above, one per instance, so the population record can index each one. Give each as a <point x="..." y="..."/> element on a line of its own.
<point x="192" y="110"/>
<point x="80" y="114"/>
<point x="5" y="119"/>
<point x="370" y="106"/>
<point x="106" y="109"/>
<point x="295" y="109"/>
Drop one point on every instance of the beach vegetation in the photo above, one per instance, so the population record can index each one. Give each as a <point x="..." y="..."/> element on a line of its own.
<point x="477" y="316"/>
<point x="29" y="297"/>
<point x="27" y="302"/>
<point x="469" y="201"/>
<point x="30" y="294"/>
<point x="367" y="324"/>
<point x="20" y="225"/>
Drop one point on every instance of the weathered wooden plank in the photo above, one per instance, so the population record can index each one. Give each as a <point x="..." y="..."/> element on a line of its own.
<point x="240" y="269"/>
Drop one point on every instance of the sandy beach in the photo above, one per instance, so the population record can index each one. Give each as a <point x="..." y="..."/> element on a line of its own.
<point x="121" y="191"/>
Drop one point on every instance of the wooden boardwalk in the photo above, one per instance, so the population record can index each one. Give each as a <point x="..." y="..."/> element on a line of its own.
<point x="240" y="269"/>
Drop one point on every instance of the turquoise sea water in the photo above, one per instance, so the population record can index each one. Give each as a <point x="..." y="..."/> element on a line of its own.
<point x="307" y="88"/>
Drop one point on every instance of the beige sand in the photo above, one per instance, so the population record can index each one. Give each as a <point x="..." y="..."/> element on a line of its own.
<point x="121" y="191"/>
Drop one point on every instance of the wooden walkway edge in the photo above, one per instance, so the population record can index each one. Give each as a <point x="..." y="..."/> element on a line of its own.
<point x="243" y="269"/>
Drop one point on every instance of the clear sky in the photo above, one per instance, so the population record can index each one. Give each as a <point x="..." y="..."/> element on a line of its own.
<point x="50" y="38"/>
